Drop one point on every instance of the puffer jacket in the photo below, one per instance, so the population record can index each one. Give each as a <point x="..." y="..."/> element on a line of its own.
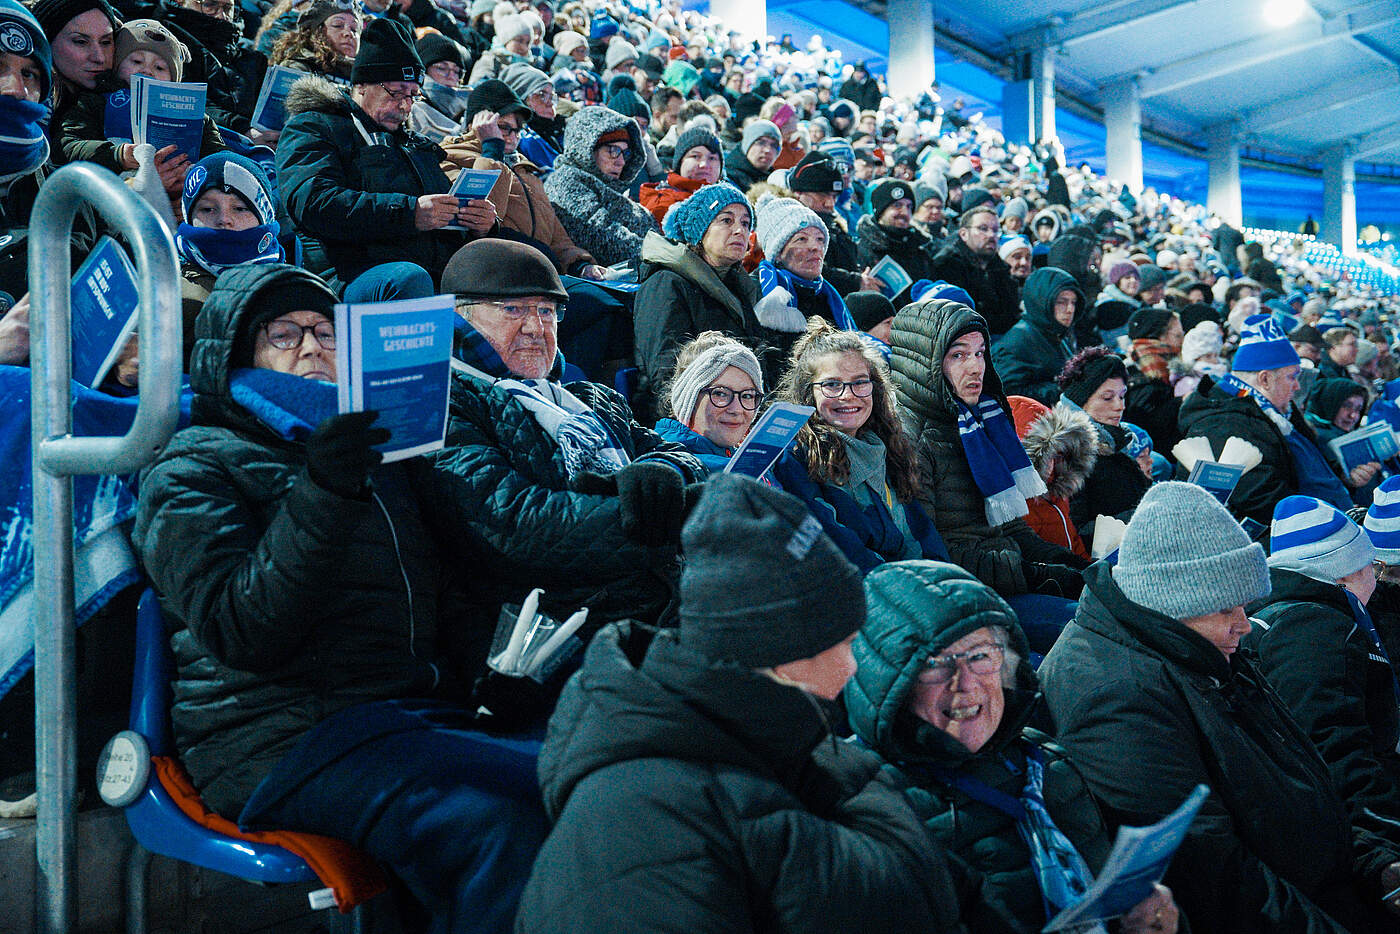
<point x="1000" y="557"/>
<point x="501" y="482"/>
<point x="987" y="281"/>
<point x="714" y="457"/>
<point x="908" y="248"/>
<point x="1148" y="709"/>
<point x="1339" y="687"/>
<point x="287" y="602"/>
<point x="519" y="197"/>
<point x="694" y="796"/>
<point x="890" y="650"/>
<point x="352" y="189"/>
<point x="1037" y="348"/>
<point x="1114" y="486"/>
<point x="594" y="209"/>
<point x="680" y="296"/>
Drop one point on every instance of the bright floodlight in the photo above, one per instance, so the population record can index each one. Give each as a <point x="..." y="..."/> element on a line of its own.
<point x="1280" y="13"/>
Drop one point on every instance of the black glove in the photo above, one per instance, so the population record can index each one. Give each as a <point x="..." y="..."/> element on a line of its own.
<point x="340" y="453"/>
<point x="1056" y="580"/>
<point x="651" y="500"/>
<point x="503" y="704"/>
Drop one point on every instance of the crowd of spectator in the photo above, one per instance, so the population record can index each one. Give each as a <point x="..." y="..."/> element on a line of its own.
<point x="914" y="676"/>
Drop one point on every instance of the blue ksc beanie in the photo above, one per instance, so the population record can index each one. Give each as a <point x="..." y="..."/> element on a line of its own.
<point x="1383" y="521"/>
<point x="1263" y="346"/>
<point x="688" y="220"/>
<point x="1317" y="540"/>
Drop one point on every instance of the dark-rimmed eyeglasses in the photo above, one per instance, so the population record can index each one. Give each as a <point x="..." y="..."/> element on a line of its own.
<point x="984" y="659"/>
<point x="835" y="388"/>
<point x="288" y="335"/>
<point x="399" y="97"/>
<point x="721" y="396"/>
<point x="615" y="151"/>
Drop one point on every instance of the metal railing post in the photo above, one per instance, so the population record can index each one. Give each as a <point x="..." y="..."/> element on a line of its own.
<point x="58" y="456"/>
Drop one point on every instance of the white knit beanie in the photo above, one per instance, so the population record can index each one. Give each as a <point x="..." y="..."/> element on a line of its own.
<point x="705" y="369"/>
<point x="779" y="220"/>
<point x="619" y="51"/>
<point x="1201" y="341"/>
<point x="510" y="26"/>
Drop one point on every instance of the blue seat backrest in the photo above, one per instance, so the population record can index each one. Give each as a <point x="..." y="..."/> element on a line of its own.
<point x="150" y="695"/>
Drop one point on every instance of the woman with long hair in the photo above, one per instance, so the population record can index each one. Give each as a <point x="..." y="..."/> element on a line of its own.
<point x="324" y="41"/>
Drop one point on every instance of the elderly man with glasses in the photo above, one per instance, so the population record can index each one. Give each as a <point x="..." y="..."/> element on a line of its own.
<point x="363" y="190"/>
<point x="970" y="261"/>
<point x="553" y="486"/>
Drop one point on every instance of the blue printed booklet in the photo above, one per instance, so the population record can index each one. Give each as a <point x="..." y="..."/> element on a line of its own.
<point x="1138" y="861"/>
<point x="1373" y="443"/>
<point x="472" y="185"/>
<point x="769" y="438"/>
<point x="1218" y="479"/>
<point x="396" y="358"/>
<point x="892" y="276"/>
<point x="103" y="300"/>
<point x="268" y="112"/>
<point x="164" y="113"/>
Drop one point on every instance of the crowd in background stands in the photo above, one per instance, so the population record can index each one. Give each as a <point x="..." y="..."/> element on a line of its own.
<point x="1007" y="357"/>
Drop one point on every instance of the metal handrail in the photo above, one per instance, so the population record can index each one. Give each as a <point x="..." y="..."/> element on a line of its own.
<point x="58" y="456"/>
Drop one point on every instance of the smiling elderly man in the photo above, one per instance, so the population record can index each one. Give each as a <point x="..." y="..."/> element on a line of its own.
<point x="555" y="487"/>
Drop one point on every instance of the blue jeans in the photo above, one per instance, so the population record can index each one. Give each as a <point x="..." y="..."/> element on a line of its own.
<point x="1042" y="618"/>
<point x="453" y="813"/>
<point x="389" y="281"/>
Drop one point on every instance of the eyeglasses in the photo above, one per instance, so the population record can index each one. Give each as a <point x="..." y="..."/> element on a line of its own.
<point x="721" y="396"/>
<point x="508" y="129"/>
<point x="288" y="335"/>
<point x="399" y="97"/>
<point x="614" y="151"/>
<point x="835" y="388"/>
<point x="216" y="8"/>
<point x="544" y="94"/>
<point x="985" y="659"/>
<point x="517" y="312"/>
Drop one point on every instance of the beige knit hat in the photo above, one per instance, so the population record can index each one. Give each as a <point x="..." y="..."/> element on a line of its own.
<point x="147" y="35"/>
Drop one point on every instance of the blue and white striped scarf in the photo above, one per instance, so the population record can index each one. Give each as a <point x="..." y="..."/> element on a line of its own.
<point x="771" y="278"/>
<point x="1000" y="467"/>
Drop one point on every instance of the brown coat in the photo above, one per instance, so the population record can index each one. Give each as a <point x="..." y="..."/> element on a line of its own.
<point x="519" y="198"/>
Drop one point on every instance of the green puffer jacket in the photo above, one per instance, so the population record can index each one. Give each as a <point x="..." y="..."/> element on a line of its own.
<point x="890" y="650"/>
<point x="920" y="337"/>
<point x="287" y="602"/>
<point x="501" y="482"/>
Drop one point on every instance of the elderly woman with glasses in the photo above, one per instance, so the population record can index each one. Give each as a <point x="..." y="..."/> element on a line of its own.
<point x="853" y="465"/>
<point x="942" y="692"/>
<point x="713" y="398"/>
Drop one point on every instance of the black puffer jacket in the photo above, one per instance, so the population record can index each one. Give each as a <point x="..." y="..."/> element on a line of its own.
<point x="893" y="647"/>
<point x="987" y="280"/>
<point x="909" y="248"/>
<point x="288" y="602"/>
<point x="1037" y="348"/>
<point x="232" y="70"/>
<point x="1148" y="709"/>
<point x="352" y="189"/>
<point x="502" y="484"/>
<point x="1337" y="685"/>
<point x="690" y="796"/>
<point x="1000" y="557"/>
<point x="680" y="296"/>
<point x="742" y="173"/>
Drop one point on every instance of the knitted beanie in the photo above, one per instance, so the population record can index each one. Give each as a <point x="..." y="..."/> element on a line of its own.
<point x="496" y="96"/>
<point x="53" y="15"/>
<point x="1016" y="207"/>
<point x="687" y="220"/>
<point x="1149" y="322"/>
<point x="297" y="290"/>
<point x="705" y="369"/>
<point x="1201" y="341"/>
<point x="231" y="174"/>
<point x="148" y="35"/>
<point x="690" y="139"/>
<point x="1317" y="540"/>
<point x="681" y="75"/>
<point x="886" y="192"/>
<point x="869" y="308"/>
<point x="21" y="34"/>
<point x="1010" y="245"/>
<point x="975" y="196"/>
<point x="523" y="78"/>
<point x="762" y="583"/>
<point x="1383" y="520"/>
<point x="1151" y="276"/>
<point x="434" y="47"/>
<point x="816" y="171"/>
<point x="619" y="51"/>
<point x="1093" y="372"/>
<point x="568" y="40"/>
<point x="386" y="54"/>
<point x="757" y="129"/>
<point x="510" y="26"/>
<point x="1184" y="555"/>
<point x="779" y="220"/>
<point x="1138" y="439"/>
<point x="1120" y="269"/>
<point x="1196" y="312"/>
<point x="1263" y="346"/>
<point x="931" y="186"/>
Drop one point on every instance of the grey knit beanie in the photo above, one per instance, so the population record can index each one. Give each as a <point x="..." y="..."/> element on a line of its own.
<point x="523" y="78"/>
<point x="705" y="369"/>
<point x="619" y="51"/>
<point x="762" y="584"/>
<point x="756" y="129"/>
<point x="779" y="220"/>
<point x="1184" y="555"/>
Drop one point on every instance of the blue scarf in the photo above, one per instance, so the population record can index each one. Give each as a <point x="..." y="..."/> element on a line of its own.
<point x="770" y="277"/>
<point x="215" y="250"/>
<point x="1363" y="622"/>
<point x="23" y="145"/>
<point x="1000" y="467"/>
<point x="290" y="406"/>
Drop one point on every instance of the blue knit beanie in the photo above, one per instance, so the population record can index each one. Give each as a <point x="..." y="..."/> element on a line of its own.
<point x="1263" y="346"/>
<point x="1139" y="442"/>
<point x="688" y="220"/>
<point x="1383" y="521"/>
<point x="1317" y="540"/>
<point x="939" y="289"/>
<point x="232" y="174"/>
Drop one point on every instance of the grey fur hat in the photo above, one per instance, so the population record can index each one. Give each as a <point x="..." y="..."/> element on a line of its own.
<point x="1069" y="435"/>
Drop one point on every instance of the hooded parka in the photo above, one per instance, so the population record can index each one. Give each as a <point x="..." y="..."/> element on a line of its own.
<point x="1037" y="347"/>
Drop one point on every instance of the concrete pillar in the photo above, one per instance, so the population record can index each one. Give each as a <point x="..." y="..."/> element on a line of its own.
<point x="1339" y="199"/>
<point x="1122" y="117"/>
<point x="749" y="17"/>
<point x="1017" y="112"/>
<point x="1043" y="89"/>
<point x="1223" y="161"/>
<point x="911" y="47"/>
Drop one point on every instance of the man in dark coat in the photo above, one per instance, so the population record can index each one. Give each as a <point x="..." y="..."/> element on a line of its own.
<point x="861" y="88"/>
<point x="970" y="261"/>
<point x="1037" y="348"/>
<point x="888" y="230"/>
<point x="689" y="771"/>
<point x="752" y="159"/>
<point x="304" y="589"/>
<point x="1152" y="696"/>
<point x="552" y="486"/>
<point x="361" y="189"/>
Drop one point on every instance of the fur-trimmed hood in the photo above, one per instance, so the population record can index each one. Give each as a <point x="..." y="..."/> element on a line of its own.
<point x="315" y="94"/>
<point x="1069" y="435"/>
